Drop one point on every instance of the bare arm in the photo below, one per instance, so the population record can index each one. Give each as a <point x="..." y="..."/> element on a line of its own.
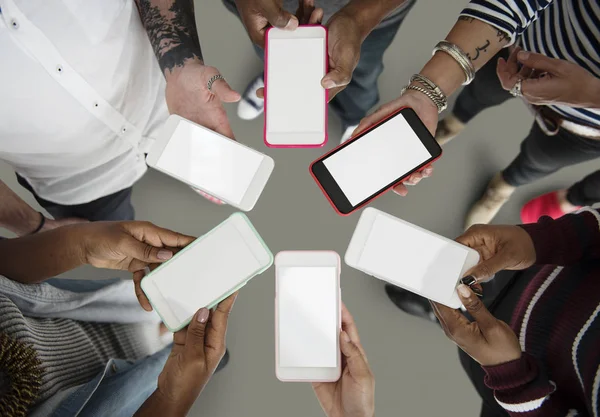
<point x="15" y="214"/>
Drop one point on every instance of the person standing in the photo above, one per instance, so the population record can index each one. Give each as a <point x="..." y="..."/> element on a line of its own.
<point x="86" y="87"/>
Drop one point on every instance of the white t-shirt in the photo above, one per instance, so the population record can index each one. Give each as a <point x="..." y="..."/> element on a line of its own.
<point x="81" y="96"/>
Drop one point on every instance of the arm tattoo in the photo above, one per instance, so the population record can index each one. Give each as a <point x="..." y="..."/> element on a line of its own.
<point x="171" y="27"/>
<point x="467" y="19"/>
<point x="478" y="50"/>
<point x="502" y="36"/>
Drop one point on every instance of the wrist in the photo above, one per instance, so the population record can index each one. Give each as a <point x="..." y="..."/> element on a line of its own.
<point x="177" y="72"/>
<point x="22" y="222"/>
<point x="445" y="72"/>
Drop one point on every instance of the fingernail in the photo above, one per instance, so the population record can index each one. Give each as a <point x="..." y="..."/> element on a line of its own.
<point x="291" y="24"/>
<point x="203" y="315"/>
<point x="164" y="254"/>
<point x="328" y="84"/>
<point x="464" y="291"/>
<point x="469" y="280"/>
<point x="345" y="337"/>
<point x="523" y="55"/>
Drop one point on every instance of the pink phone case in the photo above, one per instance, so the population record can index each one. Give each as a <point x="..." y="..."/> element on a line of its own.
<point x="339" y="329"/>
<point x="265" y="94"/>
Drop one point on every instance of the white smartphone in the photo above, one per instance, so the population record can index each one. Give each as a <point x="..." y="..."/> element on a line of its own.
<point x="295" y="101"/>
<point x="307" y="316"/>
<point x="213" y="163"/>
<point x="207" y="271"/>
<point x="409" y="256"/>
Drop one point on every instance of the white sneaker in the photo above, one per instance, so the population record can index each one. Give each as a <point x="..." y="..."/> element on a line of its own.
<point x="348" y="133"/>
<point x="251" y="106"/>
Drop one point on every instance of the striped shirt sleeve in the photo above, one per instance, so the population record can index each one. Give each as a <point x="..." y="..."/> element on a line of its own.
<point x="510" y="16"/>
<point x="568" y="240"/>
<point x="523" y="389"/>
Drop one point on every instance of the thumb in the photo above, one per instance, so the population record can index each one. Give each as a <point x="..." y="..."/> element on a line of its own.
<point x="280" y="18"/>
<point x="196" y="332"/>
<point x="476" y="308"/>
<point x="145" y="252"/>
<point x="338" y="77"/>
<point x="538" y="61"/>
<point x="355" y="360"/>
<point x="224" y="92"/>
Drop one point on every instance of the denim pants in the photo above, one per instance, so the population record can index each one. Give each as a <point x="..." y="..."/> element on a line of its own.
<point x="112" y="207"/>
<point x="541" y="155"/>
<point x="353" y="103"/>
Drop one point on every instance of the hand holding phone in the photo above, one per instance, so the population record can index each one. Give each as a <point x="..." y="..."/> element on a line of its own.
<point x="354" y="393"/>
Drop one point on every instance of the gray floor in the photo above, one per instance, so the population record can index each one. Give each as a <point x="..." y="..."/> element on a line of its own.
<point x="416" y="367"/>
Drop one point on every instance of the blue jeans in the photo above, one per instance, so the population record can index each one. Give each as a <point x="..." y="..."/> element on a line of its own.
<point x="112" y="207"/>
<point x="354" y="102"/>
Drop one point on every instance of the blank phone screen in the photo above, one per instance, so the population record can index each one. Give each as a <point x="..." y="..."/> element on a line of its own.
<point x="412" y="258"/>
<point x="377" y="159"/>
<point x="215" y="164"/>
<point x="211" y="268"/>
<point x="295" y="97"/>
<point x="307" y="317"/>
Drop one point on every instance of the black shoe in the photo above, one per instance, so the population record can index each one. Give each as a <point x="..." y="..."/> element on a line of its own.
<point x="224" y="361"/>
<point x="410" y="303"/>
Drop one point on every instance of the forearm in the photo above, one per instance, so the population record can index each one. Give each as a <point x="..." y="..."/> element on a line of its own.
<point x="34" y="258"/>
<point x="15" y="214"/>
<point x="158" y="405"/>
<point x="479" y="40"/>
<point x="370" y="13"/>
<point x="171" y="27"/>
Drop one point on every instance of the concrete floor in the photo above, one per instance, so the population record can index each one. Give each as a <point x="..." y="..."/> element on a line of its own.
<point x="416" y="367"/>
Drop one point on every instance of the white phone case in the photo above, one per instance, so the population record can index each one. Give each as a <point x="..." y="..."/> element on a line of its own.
<point x="207" y="271"/>
<point x="409" y="256"/>
<point x="256" y="184"/>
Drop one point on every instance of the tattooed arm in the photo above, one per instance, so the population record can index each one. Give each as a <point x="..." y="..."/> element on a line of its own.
<point x="171" y="27"/>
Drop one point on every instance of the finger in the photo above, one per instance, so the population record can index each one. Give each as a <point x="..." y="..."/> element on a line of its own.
<point x="535" y="89"/>
<point x="143" y="252"/>
<point x="260" y="93"/>
<point x="338" y="77"/>
<point x="305" y="9"/>
<point x="540" y="62"/>
<point x="414" y="178"/>
<point x="157" y="236"/>
<point x="512" y="64"/>
<point x="139" y="293"/>
<point x="217" y="329"/>
<point x="355" y="358"/>
<point x="476" y="308"/>
<point x="427" y="172"/>
<point x="316" y="17"/>
<point x="400" y="189"/>
<point x="349" y="326"/>
<point x="223" y="91"/>
<point x="487" y="268"/>
<point x="195" y="335"/>
<point x="280" y="18"/>
<point x="334" y="92"/>
<point x="451" y="320"/>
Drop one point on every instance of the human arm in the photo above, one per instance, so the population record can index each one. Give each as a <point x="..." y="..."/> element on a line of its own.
<point x="196" y="353"/>
<point x="353" y="395"/>
<point x="116" y="245"/>
<point x="20" y="218"/>
<point x="518" y="380"/>
<point x="172" y="31"/>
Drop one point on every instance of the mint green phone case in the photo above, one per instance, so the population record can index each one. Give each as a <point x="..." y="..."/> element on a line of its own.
<point x="200" y="238"/>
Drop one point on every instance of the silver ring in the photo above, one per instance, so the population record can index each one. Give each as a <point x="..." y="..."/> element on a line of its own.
<point x="214" y="78"/>
<point x="516" y="90"/>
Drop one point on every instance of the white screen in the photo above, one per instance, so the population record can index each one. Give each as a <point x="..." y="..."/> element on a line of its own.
<point x="308" y="316"/>
<point x="412" y="258"/>
<point x="377" y="159"/>
<point x="205" y="272"/>
<point x="295" y="97"/>
<point x="217" y="165"/>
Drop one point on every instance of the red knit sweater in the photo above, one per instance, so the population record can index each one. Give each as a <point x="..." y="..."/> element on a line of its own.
<point x="557" y="320"/>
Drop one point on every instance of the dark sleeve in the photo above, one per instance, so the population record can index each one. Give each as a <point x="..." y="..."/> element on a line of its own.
<point x="510" y="16"/>
<point x="567" y="240"/>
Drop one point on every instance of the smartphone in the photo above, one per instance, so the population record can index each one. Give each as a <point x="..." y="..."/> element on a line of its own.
<point x="213" y="163"/>
<point x="207" y="271"/>
<point x="409" y="256"/>
<point x="307" y="316"/>
<point x="295" y="101"/>
<point x="374" y="161"/>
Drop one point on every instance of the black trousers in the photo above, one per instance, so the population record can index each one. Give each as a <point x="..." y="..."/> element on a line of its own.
<point x="540" y="155"/>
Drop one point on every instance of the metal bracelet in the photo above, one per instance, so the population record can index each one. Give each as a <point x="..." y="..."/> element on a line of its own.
<point x="430" y="85"/>
<point x="440" y="104"/>
<point x="459" y="56"/>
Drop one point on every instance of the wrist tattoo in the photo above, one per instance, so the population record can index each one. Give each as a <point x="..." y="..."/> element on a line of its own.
<point x="478" y="50"/>
<point x="172" y="31"/>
